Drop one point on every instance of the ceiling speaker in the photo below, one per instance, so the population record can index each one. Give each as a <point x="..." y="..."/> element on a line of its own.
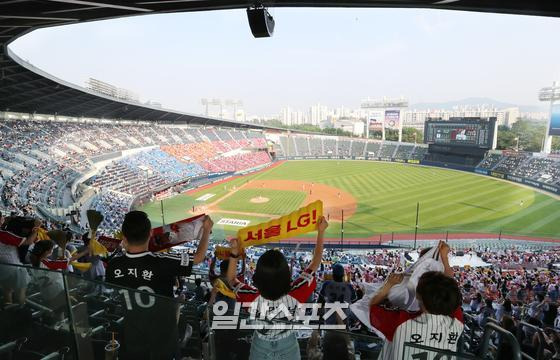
<point x="261" y="22"/>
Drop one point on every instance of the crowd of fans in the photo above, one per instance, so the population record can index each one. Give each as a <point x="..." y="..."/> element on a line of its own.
<point x="514" y="287"/>
<point x="543" y="169"/>
<point x="41" y="160"/>
<point x="113" y="206"/>
<point x="490" y="161"/>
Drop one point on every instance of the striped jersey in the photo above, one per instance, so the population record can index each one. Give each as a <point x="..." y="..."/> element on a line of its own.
<point x="281" y="309"/>
<point x="437" y="331"/>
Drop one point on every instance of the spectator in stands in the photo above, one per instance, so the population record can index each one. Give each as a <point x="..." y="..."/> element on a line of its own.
<point x="97" y="269"/>
<point x="50" y="283"/>
<point x="553" y="341"/>
<point x="522" y="292"/>
<point x="504" y="308"/>
<point x="486" y="312"/>
<point x="275" y="290"/>
<point x="557" y="319"/>
<point x="336" y="290"/>
<point x="538" y="307"/>
<point x="164" y="268"/>
<point x="14" y="279"/>
<point x="227" y="347"/>
<point x="151" y="331"/>
<point x="437" y="325"/>
<point x="199" y="291"/>
<point x="334" y="345"/>
<point x="476" y="301"/>
<point x="62" y="250"/>
<point x="504" y="348"/>
<point x="550" y="313"/>
<point x="553" y="292"/>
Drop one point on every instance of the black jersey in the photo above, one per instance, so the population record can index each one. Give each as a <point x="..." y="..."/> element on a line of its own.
<point x="148" y="271"/>
<point x="150" y="322"/>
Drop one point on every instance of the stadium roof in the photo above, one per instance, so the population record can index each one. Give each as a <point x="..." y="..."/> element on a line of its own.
<point x="24" y="88"/>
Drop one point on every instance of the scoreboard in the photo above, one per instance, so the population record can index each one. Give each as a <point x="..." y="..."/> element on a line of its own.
<point x="474" y="132"/>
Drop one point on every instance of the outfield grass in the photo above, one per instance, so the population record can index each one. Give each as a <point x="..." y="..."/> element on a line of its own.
<point x="387" y="194"/>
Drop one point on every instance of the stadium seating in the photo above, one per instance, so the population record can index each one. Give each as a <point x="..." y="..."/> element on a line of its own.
<point x="404" y="151"/>
<point x="316" y="146"/>
<point x="41" y="161"/>
<point x="373" y="148"/>
<point x="490" y="161"/>
<point x="343" y="147"/>
<point x="113" y="206"/>
<point x="302" y="146"/>
<point x="358" y="148"/>
<point x="546" y="170"/>
<point x="388" y="150"/>
<point x="510" y="162"/>
<point x="419" y="152"/>
<point x="329" y="146"/>
<point x="237" y="162"/>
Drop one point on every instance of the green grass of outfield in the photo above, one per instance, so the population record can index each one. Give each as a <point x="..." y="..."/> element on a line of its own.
<point x="387" y="194"/>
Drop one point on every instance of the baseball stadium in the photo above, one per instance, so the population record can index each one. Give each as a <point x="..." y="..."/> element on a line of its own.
<point x="373" y="198"/>
<point x="132" y="231"/>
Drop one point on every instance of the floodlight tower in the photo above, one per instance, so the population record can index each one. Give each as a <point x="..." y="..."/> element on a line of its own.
<point x="552" y="94"/>
<point x="235" y="104"/>
<point x="204" y="103"/>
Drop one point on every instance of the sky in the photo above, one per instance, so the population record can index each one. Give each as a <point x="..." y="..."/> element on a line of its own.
<point x="333" y="56"/>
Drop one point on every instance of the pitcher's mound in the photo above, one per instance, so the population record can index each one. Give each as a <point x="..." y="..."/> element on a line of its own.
<point x="259" y="200"/>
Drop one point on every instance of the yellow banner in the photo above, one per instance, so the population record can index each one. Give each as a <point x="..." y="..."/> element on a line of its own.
<point x="296" y="223"/>
<point x="222" y="252"/>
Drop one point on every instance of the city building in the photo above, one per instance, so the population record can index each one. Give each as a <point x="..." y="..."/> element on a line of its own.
<point x="507" y="117"/>
<point x="317" y="113"/>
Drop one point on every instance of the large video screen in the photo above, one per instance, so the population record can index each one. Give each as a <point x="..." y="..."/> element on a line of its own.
<point x="478" y="133"/>
<point x="555" y="120"/>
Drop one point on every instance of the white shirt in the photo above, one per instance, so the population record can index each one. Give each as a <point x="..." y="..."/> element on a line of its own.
<point x="403" y="295"/>
<point x="9" y="254"/>
<point x="437" y="331"/>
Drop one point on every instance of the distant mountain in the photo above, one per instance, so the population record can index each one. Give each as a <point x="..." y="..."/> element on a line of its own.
<point x="477" y="101"/>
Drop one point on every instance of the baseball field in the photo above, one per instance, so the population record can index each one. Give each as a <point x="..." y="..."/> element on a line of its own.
<point x="369" y="198"/>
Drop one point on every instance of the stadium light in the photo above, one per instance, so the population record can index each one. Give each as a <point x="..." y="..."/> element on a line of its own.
<point x="551" y="94"/>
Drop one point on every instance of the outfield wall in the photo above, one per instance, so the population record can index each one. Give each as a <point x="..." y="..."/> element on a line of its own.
<point x="496" y="174"/>
<point x="518" y="179"/>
